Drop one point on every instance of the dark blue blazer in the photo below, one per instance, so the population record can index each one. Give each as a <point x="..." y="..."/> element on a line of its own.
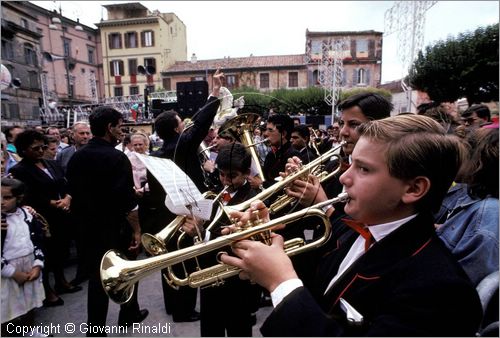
<point x="408" y="284"/>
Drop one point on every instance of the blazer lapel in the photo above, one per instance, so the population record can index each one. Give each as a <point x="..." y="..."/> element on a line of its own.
<point x="382" y="257"/>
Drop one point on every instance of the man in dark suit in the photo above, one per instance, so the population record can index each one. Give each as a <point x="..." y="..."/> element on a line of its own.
<point x="181" y="146"/>
<point x="389" y="274"/>
<point x="101" y="183"/>
<point x="81" y="136"/>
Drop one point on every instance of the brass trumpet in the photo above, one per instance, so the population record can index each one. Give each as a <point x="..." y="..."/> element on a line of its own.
<point x="118" y="275"/>
<point x="155" y="244"/>
<point x="322" y="175"/>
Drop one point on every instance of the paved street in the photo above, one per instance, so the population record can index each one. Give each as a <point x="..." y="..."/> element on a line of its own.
<point x="64" y="319"/>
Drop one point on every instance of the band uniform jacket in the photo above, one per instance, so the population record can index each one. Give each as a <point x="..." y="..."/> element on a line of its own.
<point x="408" y="284"/>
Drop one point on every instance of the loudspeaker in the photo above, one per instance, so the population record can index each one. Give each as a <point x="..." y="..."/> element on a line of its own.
<point x="191" y="96"/>
<point x="163" y="106"/>
<point x="156" y="103"/>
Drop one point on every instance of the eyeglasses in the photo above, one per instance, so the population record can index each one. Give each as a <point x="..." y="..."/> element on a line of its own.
<point x="38" y="148"/>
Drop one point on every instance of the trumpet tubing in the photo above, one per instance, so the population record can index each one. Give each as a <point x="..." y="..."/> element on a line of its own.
<point x="119" y="275"/>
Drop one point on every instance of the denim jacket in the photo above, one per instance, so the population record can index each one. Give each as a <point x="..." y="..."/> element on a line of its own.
<point x="469" y="228"/>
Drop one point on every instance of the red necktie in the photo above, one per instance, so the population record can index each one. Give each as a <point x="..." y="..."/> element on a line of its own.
<point x="226" y="197"/>
<point x="362" y="229"/>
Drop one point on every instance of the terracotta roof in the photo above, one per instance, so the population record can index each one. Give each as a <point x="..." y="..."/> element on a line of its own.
<point x="340" y="33"/>
<point x="274" y="61"/>
<point x="393" y="86"/>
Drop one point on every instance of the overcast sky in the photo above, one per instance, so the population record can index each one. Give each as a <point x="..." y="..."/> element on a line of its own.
<point x="239" y="28"/>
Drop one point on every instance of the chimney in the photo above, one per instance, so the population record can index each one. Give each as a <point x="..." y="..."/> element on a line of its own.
<point x="194" y="59"/>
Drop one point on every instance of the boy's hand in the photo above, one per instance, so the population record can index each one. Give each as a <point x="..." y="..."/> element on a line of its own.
<point x="190" y="226"/>
<point x="266" y="265"/>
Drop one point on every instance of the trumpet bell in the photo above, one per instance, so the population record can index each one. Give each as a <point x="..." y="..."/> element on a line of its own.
<point x="153" y="245"/>
<point x="111" y="277"/>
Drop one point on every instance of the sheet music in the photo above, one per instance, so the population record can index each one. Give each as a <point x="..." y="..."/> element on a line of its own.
<point x="183" y="197"/>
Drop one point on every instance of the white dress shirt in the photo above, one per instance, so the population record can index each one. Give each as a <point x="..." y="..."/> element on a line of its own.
<point x="357" y="250"/>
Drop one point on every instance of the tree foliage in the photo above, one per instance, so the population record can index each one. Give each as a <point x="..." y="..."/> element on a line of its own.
<point x="466" y="66"/>
<point x="294" y="101"/>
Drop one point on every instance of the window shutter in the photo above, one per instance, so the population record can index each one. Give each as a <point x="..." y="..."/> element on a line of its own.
<point x="152" y="38"/>
<point x="127" y="38"/>
<point x="143" y="35"/>
<point x="120" y="66"/>
<point x="355" y="77"/>
<point x="353" y="48"/>
<point x="371" y="49"/>
<point x="368" y="77"/>
<point x="110" y="41"/>
<point x="111" y="69"/>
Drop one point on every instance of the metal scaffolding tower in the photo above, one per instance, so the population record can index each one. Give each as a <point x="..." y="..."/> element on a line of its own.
<point x="407" y="19"/>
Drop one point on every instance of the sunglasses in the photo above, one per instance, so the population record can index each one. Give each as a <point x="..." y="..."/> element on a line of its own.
<point x="38" y="148"/>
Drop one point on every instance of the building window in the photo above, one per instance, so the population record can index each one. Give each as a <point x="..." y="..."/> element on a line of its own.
<point x="33" y="80"/>
<point x="362" y="48"/>
<point x="30" y="55"/>
<point x="116" y="67"/>
<point x="293" y="79"/>
<point x="134" y="90"/>
<point x="24" y="23"/>
<point x="91" y="55"/>
<point x="362" y="76"/>
<point x="198" y="78"/>
<point x="316" y="50"/>
<point x="118" y="91"/>
<point x="7" y="50"/>
<point x="231" y="81"/>
<point x="115" y="40"/>
<point x="264" y="80"/>
<point x="131" y="40"/>
<point x="167" y="83"/>
<point x="150" y="62"/>
<point x="315" y="79"/>
<point x="147" y="39"/>
<point x="132" y="66"/>
<point x="67" y="47"/>
<point x="150" y="89"/>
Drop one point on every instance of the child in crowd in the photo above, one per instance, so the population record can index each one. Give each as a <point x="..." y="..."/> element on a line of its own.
<point x="22" y="260"/>
<point x="389" y="274"/>
<point x="229" y="308"/>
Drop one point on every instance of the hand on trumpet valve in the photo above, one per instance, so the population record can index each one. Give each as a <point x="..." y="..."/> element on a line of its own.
<point x="191" y="226"/>
<point x="307" y="192"/>
<point x="267" y="265"/>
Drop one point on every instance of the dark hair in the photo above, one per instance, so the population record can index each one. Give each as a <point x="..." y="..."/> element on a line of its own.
<point x="26" y="138"/>
<point x="373" y="106"/>
<point x="283" y="123"/>
<point x="17" y="187"/>
<point x="8" y="134"/>
<point x="101" y="117"/>
<point x="481" y="110"/>
<point x="302" y="130"/>
<point x="481" y="170"/>
<point x="166" y="123"/>
<point x="423" y="107"/>
<point x="51" y="139"/>
<point x="440" y="114"/>
<point x="235" y="157"/>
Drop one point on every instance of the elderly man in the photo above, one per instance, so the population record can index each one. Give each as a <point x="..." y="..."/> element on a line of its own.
<point x="81" y="136"/>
